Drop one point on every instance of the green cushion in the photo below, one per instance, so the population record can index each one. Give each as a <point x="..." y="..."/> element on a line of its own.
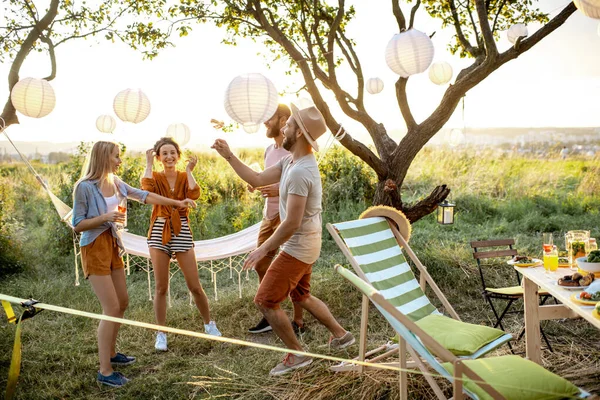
<point x="459" y="337"/>
<point x="517" y="378"/>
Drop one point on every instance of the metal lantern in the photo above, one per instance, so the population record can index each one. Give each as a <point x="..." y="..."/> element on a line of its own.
<point x="440" y="72"/>
<point x="251" y="99"/>
<point x="131" y="105"/>
<point x="106" y="124"/>
<point x="589" y="8"/>
<point x="516" y="31"/>
<point x="179" y="133"/>
<point x="409" y="52"/>
<point x="445" y="214"/>
<point x="374" y="85"/>
<point x="33" y="97"/>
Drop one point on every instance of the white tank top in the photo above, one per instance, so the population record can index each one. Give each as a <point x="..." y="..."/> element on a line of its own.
<point x="112" y="203"/>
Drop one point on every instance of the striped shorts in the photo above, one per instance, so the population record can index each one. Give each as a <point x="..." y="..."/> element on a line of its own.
<point x="178" y="244"/>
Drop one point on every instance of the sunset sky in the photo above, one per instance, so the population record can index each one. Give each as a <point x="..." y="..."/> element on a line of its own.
<point x="556" y="84"/>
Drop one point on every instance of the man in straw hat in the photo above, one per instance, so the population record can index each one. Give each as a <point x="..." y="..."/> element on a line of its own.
<point x="298" y="235"/>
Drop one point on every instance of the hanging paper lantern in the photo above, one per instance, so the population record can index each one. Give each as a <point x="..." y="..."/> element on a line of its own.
<point x="598" y="29"/>
<point x="33" y="97"/>
<point x="131" y="105"/>
<point x="440" y="72"/>
<point x="374" y="85"/>
<point x="409" y="53"/>
<point x="251" y="99"/>
<point x="251" y="128"/>
<point x="589" y="8"/>
<point x="180" y="133"/>
<point x="516" y="31"/>
<point x="456" y="137"/>
<point x="106" y="124"/>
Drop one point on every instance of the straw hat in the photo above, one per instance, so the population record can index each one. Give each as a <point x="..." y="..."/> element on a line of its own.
<point x="400" y="220"/>
<point x="311" y="123"/>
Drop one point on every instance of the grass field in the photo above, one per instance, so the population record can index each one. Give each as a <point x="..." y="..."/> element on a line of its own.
<point x="496" y="197"/>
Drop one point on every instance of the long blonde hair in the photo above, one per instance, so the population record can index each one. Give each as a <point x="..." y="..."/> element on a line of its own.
<point x="97" y="163"/>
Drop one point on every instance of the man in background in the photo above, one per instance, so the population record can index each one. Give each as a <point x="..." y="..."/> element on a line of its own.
<point x="271" y="220"/>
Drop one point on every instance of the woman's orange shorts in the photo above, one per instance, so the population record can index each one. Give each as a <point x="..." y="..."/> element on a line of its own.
<point x="101" y="256"/>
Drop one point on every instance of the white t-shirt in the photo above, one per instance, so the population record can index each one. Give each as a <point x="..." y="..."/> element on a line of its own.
<point x="302" y="178"/>
<point x="112" y="203"/>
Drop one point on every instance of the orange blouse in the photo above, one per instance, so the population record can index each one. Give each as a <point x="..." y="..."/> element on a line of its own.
<point x="158" y="184"/>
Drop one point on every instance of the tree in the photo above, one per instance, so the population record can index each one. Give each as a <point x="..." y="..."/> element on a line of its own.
<point x="312" y="36"/>
<point x="144" y="25"/>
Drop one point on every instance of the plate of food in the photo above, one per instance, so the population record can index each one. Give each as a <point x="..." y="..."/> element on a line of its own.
<point x="589" y="297"/>
<point x="524" y="261"/>
<point x="563" y="262"/>
<point x="591" y="263"/>
<point x="576" y="281"/>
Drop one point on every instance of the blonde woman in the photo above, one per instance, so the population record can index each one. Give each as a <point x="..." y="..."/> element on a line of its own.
<point x="95" y="215"/>
<point x="170" y="235"/>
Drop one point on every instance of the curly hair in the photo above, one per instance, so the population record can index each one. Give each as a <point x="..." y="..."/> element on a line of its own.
<point x="164" y="141"/>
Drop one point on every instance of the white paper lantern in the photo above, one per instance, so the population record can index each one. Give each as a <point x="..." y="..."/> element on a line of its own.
<point x="409" y="53"/>
<point x="440" y="73"/>
<point x="180" y="133"/>
<point x="374" y="85"/>
<point x="251" y="128"/>
<point x="516" y="31"/>
<point x="456" y="137"/>
<point x="598" y="29"/>
<point x="131" y="105"/>
<point x="589" y="8"/>
<point x="251" y="99"/>
<point x="106" y="124"/>
<point x="33" y="97"/>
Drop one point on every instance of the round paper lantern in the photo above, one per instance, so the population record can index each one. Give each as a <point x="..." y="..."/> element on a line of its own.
<point x="456" y="137"/>
<point x="598" y="29"/>
<point x="251" y="128"/>
<point x="516" y="31"/>
<point x="589" y="8"/>
<point x="251" y="99"/>
<point x="409" y="53"/>
<point x="106" y="124"/>
<point x="374" y="85"/>
<point x="440" y="72"/>
<point x="33" y="97"/>
<point x="131" y="105"/>
<point x="180" y="133"/>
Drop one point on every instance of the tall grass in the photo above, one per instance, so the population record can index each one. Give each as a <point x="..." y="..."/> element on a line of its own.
<point x="496" y="197"/>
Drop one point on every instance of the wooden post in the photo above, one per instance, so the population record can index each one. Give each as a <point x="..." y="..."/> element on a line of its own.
<point x="457" y="385"/>
<point x="532" y="321"/>
<point x="403" y="375"/>
<point x="362" y="346"/>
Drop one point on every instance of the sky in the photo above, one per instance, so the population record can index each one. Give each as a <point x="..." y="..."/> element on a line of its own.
<point x="555" y="84"/>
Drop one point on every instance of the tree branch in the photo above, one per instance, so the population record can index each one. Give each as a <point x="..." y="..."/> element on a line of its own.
<point x="52" y="57"/>
<point x="467" y="46"/>
<point x="399" y="16"/>
<point x="486" y="31"/>
<point x="500" y="7"/>
<point x="412" y="14"/>
<point x="402" y="99"/>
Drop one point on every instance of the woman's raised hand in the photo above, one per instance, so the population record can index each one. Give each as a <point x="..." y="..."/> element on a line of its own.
<point x="187" y="203"/>
<point x="150" y="156"/>
<point x="192" y="161"/>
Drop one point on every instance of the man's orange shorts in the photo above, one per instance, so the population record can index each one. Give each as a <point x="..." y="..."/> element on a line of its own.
<point x="287" y="276"/>
<point x="101" y="256"/>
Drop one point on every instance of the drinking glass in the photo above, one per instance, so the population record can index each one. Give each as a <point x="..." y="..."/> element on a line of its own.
<point x="122" y="207"/>
<point x="547" y="241"/>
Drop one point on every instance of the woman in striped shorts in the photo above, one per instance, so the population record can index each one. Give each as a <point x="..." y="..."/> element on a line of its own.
<point x="169" y="235"/>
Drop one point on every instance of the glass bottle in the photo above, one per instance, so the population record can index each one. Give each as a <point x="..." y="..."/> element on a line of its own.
<point x="577" y="245"/>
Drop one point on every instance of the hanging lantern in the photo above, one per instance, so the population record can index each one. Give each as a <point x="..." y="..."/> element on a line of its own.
<point x="106" y="124"/>
<point x="251" y="128"/>
<point x="131" y="105"/>
<point x="179" y="133"/>
<point x="33" y="97"/>
<point x="440" y="73"/>
<point x="445" y="214"/>
<point x="251" y="99"/>
<point x="374" y="85"/>
<point x="599" y="29"/>
<point x="456" y="137"/>
<point x="589" y="8"/>
<point x="409" y="53"/>
<point x="516" y="31"/>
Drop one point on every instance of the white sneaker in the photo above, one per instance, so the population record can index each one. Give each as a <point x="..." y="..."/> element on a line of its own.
<point x="161" y="341"/>
<point x="211" y="329"/>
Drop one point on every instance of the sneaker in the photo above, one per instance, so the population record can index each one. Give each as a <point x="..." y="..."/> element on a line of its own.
<point x="116" y="379"/>
<point x="211" y="329"/>
<point x="290" y="363"/>
<point x="261" y="327"/>
<point x="341" y="342"/>
<point x="298" y="329"/>
<point x="122" y="359"/>
<point x="161" y="341"/>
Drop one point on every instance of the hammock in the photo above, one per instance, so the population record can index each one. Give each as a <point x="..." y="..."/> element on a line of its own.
<point x="213" y="255"/>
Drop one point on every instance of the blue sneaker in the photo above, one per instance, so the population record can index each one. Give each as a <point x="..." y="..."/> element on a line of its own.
<point x="122" y="359"/>
<point x="116" y="379"/>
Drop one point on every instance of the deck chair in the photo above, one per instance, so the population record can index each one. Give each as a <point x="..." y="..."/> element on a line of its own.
<point x="494" y="249"/>
<point x="504" y="377"/>
<point x="373" y="245"/>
